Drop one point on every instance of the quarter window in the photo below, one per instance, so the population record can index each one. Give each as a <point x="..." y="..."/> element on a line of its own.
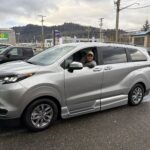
<point x="113" y="55"/>
<point x="136" y="55"/>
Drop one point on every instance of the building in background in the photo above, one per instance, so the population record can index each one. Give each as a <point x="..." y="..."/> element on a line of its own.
<point x="141" y="38"/>
<point x="68" y="39"/>
<point x="48" y="43"/>
<point x="7" y="36"/>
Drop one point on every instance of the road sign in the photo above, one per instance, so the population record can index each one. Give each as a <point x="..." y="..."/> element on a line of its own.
<point x="57" y="33"/>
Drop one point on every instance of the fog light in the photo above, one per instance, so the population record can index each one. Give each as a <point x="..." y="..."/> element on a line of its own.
<point x="3" y="111"/>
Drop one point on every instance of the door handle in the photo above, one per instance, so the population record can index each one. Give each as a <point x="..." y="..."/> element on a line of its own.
<point x="96" y="69"/>
<point x="108" y="68"/>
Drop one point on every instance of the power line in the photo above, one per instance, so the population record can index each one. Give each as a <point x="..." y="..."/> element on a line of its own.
<point x="140" y="2"/>
<point x="141" y="7"/>
<point x="129" y="6"/>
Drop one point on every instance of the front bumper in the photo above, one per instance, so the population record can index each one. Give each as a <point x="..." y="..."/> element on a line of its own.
<point x="11" y="96"/>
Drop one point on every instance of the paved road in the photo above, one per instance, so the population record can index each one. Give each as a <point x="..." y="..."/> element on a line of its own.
<point x="123" y="128"/>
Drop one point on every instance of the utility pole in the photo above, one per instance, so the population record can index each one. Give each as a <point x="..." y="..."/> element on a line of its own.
<point x="118" y="9"/>
<point x="88" y="34"/>
<point x="54" y="37"/>
<point x="117" y="3"/>
<point x="18" y="37"/>
<point x="100" y="29"/>
<point x="42" y="36"/>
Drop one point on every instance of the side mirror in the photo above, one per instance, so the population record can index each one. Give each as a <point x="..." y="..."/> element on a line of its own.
<point x="75" y="66"/>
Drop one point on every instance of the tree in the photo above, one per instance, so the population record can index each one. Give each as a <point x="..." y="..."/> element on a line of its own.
<point x="146" y="26"/>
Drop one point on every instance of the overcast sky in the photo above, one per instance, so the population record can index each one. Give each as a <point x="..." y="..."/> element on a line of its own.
<point x="85" y="12"/>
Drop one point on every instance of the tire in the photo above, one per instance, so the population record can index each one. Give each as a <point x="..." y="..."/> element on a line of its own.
<point x="40" y="114"/>
<point x="136" y="95"/>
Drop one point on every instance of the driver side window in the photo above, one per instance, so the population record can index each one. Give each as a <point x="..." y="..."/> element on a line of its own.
<point x="13" y="52"/>
<point x="81" y="56"/>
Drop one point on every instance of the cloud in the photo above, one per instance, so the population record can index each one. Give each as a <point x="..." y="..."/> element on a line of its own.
<point x="16" y="9"/>
<point x="86" y="12"/>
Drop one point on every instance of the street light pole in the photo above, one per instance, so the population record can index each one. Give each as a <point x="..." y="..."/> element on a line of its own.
<point x="100" y="29"/>
<point x="42" y="36"/>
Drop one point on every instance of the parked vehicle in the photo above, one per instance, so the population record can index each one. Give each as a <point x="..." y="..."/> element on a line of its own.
<point x="148" y="50"/>
<point x="12" y="53"/>
<point x="2" y="46"/>
<point x="55" y="82"/>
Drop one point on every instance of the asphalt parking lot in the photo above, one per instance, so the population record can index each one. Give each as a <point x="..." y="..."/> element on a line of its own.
<point x="123" y="128"/>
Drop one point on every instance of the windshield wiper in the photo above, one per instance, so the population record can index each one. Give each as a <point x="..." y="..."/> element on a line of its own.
<point x="30" y="62"/>
<point x="34" y="63"/>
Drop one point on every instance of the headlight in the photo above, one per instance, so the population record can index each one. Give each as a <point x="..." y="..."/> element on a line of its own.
<point x="15" y="78"/>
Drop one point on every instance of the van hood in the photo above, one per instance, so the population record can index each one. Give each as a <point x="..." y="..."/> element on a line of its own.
<point x="18" y="67"/>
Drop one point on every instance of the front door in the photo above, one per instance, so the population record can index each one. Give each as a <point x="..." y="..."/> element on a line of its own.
<point x="14" y="54"/>
<point x="83" y="87"/>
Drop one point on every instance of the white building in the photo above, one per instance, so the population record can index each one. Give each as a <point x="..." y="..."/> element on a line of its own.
<point x="48" y="43"/>
<point x="67" y="39"/>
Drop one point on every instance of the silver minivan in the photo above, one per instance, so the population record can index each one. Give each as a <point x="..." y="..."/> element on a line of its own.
<point x="57" y="83"/>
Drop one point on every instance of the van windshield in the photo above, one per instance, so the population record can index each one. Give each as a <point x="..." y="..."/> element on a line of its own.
<point x="50" y="55"/>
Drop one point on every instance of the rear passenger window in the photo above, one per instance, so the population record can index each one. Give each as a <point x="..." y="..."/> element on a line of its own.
<point x="113" y="55"/>
<point x="136" y="55"/>
<point x="27" y="52"/>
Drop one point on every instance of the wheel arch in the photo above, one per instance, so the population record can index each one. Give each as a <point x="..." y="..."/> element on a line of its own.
<point x="46" y="97"/>
<point x="138" y="79"/>
<point x="143" y="84"/>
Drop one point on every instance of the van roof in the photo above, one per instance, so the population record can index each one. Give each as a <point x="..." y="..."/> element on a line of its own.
<point x="81" y="44"/>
